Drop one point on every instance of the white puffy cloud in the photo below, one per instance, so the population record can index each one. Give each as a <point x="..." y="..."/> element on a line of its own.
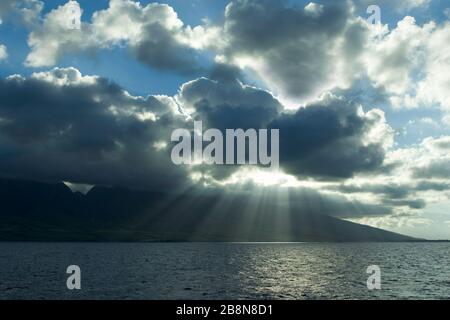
<point x="108" y="25"/>
<point x="154" y="33"/>
<point x="65" y="77"/>
<point x="412" y="64"/>
<point x="421" y="169"/>
<point x="56" y="36"/>
<point x="393" y="60"/>
<point x="27" y="11"/>
<point x="435" y="87"/>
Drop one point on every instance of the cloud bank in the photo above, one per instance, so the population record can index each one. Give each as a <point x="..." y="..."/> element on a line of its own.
<point x="307" y="70"/>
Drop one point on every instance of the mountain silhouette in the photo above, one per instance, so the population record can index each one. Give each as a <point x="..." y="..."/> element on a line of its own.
<point x="35" y="211"/>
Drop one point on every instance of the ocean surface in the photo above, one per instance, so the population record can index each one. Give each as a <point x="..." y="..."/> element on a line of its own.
<point x="224" y="270"/>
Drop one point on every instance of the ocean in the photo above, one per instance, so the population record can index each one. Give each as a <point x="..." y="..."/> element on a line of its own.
<point x="225" y="270"/>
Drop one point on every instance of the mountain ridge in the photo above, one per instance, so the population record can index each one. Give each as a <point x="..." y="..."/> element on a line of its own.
<point x="37" y="211"/>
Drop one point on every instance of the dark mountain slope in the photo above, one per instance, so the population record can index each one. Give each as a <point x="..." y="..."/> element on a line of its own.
<point x="32" y="211"/>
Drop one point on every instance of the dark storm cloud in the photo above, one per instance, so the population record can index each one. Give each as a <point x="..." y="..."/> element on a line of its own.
<point x="62" y="126"/>
<point x="265" y="24"/>
<point x="225" y="73"/>
<point x="300" y="47"/>
<point x="328" y="140"/>
<point x="224" y="102"/>
<point x="84" y="130"/>
<point x="160" y="50"/>
<point x="325" y="140"/>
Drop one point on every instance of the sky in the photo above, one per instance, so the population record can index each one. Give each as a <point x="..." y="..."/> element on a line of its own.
<point x="363" y="110"/>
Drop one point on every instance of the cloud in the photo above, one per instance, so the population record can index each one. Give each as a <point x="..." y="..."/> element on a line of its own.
<point x="87" y="118"/>
<point x="434" y="88"/>
<point x="224" y="102"/>
<point x="62" y="126"/>
<point x="418" y="176"/>
<point x="405" y="195"/>
<point x="3" y="52"/>
<point x="391" y="191"/>
<point x="408" y="5"/>
<point x="333" y="138"/>
<point x="393" y="61"/>
<point x="400" y="6"/>
<point x="302" y="52"/>
<point x="57" y="36"/>
<point x="409" y="64"/>
<point x="299" y="52"/>
<point x="425" y="160"/>
<point x="447" y="13"/>
<point x="154" y="34"/>
<point x="25" y="11"/>
<point x="435" y="169"/>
